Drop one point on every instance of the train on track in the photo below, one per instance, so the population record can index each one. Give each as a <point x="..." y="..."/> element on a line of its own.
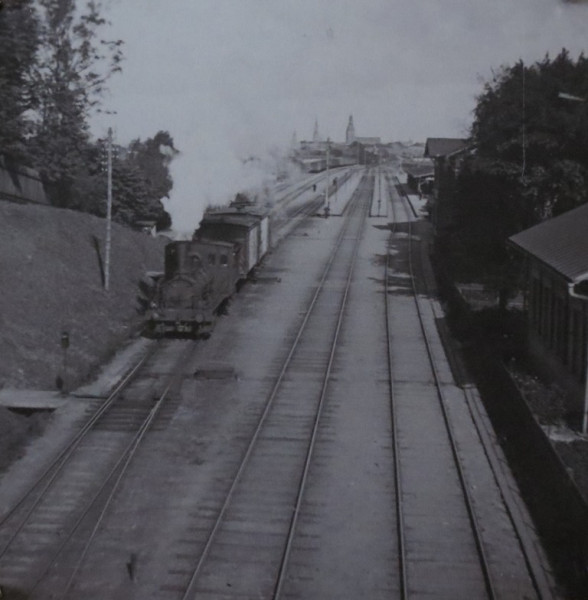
<point x="201" y="274"/>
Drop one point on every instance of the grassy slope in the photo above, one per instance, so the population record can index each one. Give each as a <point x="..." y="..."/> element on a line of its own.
<point x="51" y="282"/>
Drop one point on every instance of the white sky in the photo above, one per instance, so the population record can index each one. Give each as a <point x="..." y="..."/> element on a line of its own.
<point x="231" y="78"/>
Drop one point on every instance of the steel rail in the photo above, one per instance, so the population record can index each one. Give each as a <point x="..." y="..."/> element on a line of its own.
<point x="119" y="467"/>
<point x="54" y="469"/>
<point x="401" y="536"/>
<point x="281" y="577"/>
<point x="125" y="455"/>
<point x="133" y="448"/>
<point x="536" y="573"/>
<point x="476" y="530"/>
<point x="262" y="419"/>
<point x="311" y="207"/>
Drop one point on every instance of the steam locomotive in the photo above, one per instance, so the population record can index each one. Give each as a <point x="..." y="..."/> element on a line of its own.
<point x="201" y="274"/>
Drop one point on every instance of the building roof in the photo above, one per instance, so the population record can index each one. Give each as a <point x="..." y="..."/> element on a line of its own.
<point x="419" y="169"/>
<point x="436" y="147"/>
<point x="366" y="141"/>
<point x="561" y="243"/>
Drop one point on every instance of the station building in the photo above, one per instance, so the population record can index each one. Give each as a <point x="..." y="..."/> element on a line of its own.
<point x="447" y="155"/>
<point x="556" y="269"/>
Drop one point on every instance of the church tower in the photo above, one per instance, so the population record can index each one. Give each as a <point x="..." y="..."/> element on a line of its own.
<point x="315" y="136"/>
<point x="350" y="133"/>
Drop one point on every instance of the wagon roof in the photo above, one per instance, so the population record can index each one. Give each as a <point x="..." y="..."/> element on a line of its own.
<point x="561" y="243"/>
<point x="231" y="218"/>
<point x="212" y="243"/>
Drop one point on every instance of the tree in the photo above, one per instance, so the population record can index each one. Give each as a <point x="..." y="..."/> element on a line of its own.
<point x="18" y="46"/>
<point x="153" y="158"/>
<point x="140" y="179"/>
<point x="69" y="82"/>
<point x="530" y="160"/>
<point x="521" y="122"/>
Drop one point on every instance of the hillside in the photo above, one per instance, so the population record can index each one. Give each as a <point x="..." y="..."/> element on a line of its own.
<point x="51" y="282"/>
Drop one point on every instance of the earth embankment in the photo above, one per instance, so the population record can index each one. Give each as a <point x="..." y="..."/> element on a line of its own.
<point x="51" y="269"/>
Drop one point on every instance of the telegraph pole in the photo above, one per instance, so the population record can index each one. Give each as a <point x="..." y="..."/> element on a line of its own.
<point x="327" y="190"/>
<point x="108" y="210"/>
<point x="379" y="182"/>
<point x="327" y="207"/>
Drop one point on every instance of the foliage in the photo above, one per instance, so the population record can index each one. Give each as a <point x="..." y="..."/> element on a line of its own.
<point x="68" y="83"/>
<point x="18" y="46"/>
<point x="530" y="158"/>
<point x="153" y="157"/>
<point x="140" y="179"/>
<point x="522" y="122"/>
<point x="54" y="67"/>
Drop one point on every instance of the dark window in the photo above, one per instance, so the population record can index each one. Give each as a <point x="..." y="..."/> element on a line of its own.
<point x="224" y="260"/>
<point x="212" y="259"/>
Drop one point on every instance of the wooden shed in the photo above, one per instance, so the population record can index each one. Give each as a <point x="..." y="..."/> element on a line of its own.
<point x="20" y="184"/>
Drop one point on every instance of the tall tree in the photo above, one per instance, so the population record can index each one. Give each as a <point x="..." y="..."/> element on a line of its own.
<point x="153" y="158"/>
<point x="530" y="160"/>
<point x="72" y="69"/>
<point x="18" y="45"/>
<point x="522" y="122"/>
<point x="140" y="179"/>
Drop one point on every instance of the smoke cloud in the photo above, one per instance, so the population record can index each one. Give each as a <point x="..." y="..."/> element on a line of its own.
<point x="231" y="79"/>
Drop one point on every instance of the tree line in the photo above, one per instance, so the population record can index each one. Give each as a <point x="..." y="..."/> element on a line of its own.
<point x="528" y="160"/>
<point x="54" y="69"/>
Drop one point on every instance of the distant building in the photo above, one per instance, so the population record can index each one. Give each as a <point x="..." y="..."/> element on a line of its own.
<point x="350" y="136"/>
<point x="315" y="135"/>
<point x="148" y="227"/>
<point x="369" y="141"/>
<point x="556" y="254"/>
<point x="20" y="184"/>
<point x="447" y="155"/>
<point x="420" y="175"/>
<point x="354" y="150"/>
<point x="350" y="132"/>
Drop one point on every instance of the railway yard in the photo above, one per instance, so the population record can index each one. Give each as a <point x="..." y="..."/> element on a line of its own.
<point x="315" y="446"/>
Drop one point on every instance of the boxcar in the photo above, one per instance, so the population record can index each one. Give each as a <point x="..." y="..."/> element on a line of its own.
<point x="249" y="230"/>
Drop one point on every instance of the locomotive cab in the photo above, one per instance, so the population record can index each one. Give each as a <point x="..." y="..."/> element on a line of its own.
<point x="198" y="277"/>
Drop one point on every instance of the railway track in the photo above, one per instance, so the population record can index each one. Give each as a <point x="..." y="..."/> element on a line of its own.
<point x="45" y="536"/>
<point x="424" y="558"/>
<point x="256" y="520"/>
<point x="271" y="474"/>
<point x="288" y="213"/>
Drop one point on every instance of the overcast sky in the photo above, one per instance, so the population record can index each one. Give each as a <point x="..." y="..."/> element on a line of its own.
<point x="231" y="78"/>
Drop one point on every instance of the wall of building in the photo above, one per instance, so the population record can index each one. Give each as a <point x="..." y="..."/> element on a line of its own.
<point x="20" y="184"/>
<point x="558" y="328"/>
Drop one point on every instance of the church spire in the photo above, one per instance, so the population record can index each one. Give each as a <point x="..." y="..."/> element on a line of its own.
<point x="350" y="133"/>
<point x="315" y="136"/>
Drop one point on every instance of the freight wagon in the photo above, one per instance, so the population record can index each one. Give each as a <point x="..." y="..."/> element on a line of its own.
<point x="202" y="274"/>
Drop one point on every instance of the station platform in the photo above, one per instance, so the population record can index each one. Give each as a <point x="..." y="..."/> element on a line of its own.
<point x="32" y="399"/>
